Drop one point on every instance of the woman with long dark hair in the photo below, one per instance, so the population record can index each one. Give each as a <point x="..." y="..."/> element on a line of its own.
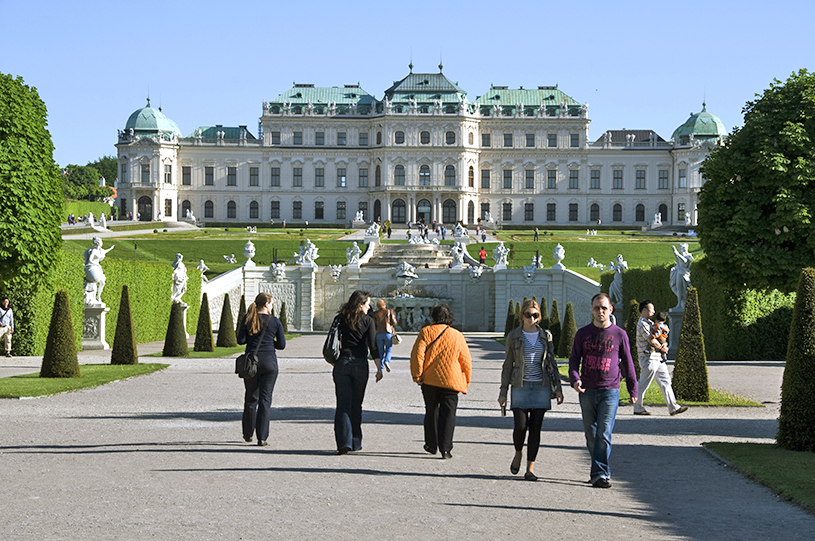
<point x="530" y="367"/>
<point x="358" y="333"/>
<point x="260" y="325"/>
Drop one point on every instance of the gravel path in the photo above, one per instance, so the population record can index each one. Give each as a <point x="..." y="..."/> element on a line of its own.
<point x="161" y="457"/>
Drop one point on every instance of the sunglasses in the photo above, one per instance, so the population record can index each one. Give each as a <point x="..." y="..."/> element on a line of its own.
<point x="532" y="315"/>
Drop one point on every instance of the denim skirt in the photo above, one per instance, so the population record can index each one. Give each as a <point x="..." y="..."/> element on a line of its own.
<point x="533" y="395"/>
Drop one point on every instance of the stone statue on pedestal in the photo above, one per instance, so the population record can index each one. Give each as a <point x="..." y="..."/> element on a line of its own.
<point x="94" y="276"/>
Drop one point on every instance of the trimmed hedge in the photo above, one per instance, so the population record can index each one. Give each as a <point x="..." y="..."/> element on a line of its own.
<point x="81" y="208"/>
<point x="175" y="341"/>
<point x="544" y="313"/>
<point x="554" y="323"/>
<point x="241" y="314"/>
<point x="564" y="347"/>
<point x="203" y="333"/>
<point x="284" y="318"/>
<point x="60" y="360"/>
<point x="226" y="327"/>
<point x="631" y="330"/>
<point x="124" y="343"/>
<point x="510" y="318"/>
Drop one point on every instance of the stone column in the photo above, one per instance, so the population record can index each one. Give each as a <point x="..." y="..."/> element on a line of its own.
<point x="93" y="327"/>
<point x="675" y="318"/>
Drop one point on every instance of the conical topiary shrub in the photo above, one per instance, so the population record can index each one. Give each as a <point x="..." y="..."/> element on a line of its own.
<point x="175" y="342"/>
<point x="241" y="314"/>
<point x="631" y="330"/>
<point x="226" y="327"/>
<point x="690" y="368"/>
<point x="284" y="318"/>
<point x="60" y="360"/>
<point x="124" y="341"/>
<point x="510" y="318"/>
<point x="796" y="423"/>
<point x="516" y="322"/>
<point x="544" y="314"/>
<point x="564" y="347"/>
<point x="554" y="323"/>
<point x="203" y="333"/>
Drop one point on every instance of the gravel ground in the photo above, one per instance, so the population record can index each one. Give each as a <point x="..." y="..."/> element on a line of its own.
<point x="161" y="457"/>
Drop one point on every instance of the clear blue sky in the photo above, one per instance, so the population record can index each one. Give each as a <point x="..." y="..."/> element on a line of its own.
<point x="638" y="64"/>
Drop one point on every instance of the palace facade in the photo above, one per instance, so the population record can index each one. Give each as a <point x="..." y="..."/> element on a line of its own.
<point x="522" y="156"/>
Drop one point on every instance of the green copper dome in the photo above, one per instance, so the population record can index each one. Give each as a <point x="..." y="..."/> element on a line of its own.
<point x="701" y="125"/>
<point x="149" y="121"/>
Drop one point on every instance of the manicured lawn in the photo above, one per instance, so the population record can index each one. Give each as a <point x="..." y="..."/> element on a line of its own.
<point x="790" y="474"/>
<point x="93" y="375"/>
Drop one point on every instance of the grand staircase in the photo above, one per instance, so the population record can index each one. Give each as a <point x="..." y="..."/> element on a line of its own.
<point x="389" y="256"/>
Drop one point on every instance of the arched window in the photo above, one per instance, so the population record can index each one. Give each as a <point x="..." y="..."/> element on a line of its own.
<point x="378" y="176"/>
<point x="594" y="212"/>
<point x="209" y="209"/>
<point x="425" y="137"/>
<point x="253" y="210"/>
<point x="449" y="176"/>
<point x="398" y="210"/>
<point x="231" y="210"/>
<point x="448" y="211"/>
<point x="379" y="138"/>
<point x="470" y="212"/>
<point x="399" y="137"/>
<point x="470" y="138"/>
<point x="663" y="209"/>
<point x="471" y="177"/>
<point x="399" y="175"/>
<point x="424" y="211"/>
<point x="617" y="213"/>
<point x="185" y="206"/>
<point x="450" y="138"/>
<point x="640" y="213"/>
<point x="424" y="176"/>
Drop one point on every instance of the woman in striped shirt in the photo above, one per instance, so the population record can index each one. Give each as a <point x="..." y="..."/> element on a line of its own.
<point x="530" y="367"/>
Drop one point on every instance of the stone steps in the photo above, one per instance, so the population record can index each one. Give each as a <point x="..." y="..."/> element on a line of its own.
<point x="420" y="256"/>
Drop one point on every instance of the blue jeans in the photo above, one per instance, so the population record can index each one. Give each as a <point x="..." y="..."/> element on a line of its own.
<point x="599" y="408"/>
<point x="384" y="343"/>
<point x="350" y="380"/>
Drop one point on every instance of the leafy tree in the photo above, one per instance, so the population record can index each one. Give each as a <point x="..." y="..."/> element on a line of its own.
<point x="203" y="333"/>
<point x="554" y="323"/>
<point x="226" y="327"/>
<point x="124" y="349"/>
<point x="796" y="422"/>
<point x="60" y="360"/>
<point x="564" y="346"/>
<point x="82" y="182"/>
<point x="241" y="313"/>
<point x="690" y="369"/>
<point x="756" y="208"/>
<point x="108" y="167"/>
<point x="31" y="200"/>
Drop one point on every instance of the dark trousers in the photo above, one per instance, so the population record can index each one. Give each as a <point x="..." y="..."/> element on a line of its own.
<point x="257" y="405"/>
<point x="350" y="380"/>
<point x="533" y="421"/>
<point x="439" y="417"/>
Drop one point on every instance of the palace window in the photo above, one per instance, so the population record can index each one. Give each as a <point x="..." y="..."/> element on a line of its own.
<point x="341" y="177"/>
<point x="572" y="212"/>
<point x="595" y="179"/>
<point x="507" y="179"/>
<point x="680" y="212"/>
<point x="340" y="210"/>
<point x="168" y="207"/>
<point x="529" y="179"/>
<point x="594" y="212"/>
<point x="683" y="178"/>
<point x="617" y="213"/>
<point x="275" y="210"/>
<point x="399" y="137"/>
<point x="319" y="210"/>
<point x="424" y="137"/>
<point x="363" y="178"/>
<point x="378" y="176"/>
<point x="573" y="179"/>
<point x="640" y="213"/>
<point x="298" y="138"/>
<point x="254" y="174"/>
<point x="485" y="179"/>
<point x="450" y="138"/>
<point x="231" y="210"/>
<point x="551" y="140"/>
<point x="123" y="173"/>
<point x="363" y="139"/>
<point x="319" y="138"/>
<point x="508" y="140"/>
<point x="617" y="179"/>
<point x="209" y="176"/>
<point x="186" y="175"/>
<point x="168" y="174"/>
<point x="297" y="177"/>
<point x="399" y="175"/>
<point x="275" y="137"/>
<point x="209" y="209"/>
<point x="551" y="212"/>
<point x="297" y="210"/>
<point x="363" y="206"/>
<point x="529" y="212"/>
<point x="485" y="140"/>
<point x="319" y="177"/>
<point x="275" y="176"/>
<point x="506" y="212"/>
<point x="449" y="176"/>
<point x="640" y="179"/>
<point x="231" y="176"/>
<point x="574" y="140"/>
<point x="342" y="137"/>
<point x="145" y="173"/>
<point x="551" y="179"/>
<point x="424" y="175"/>
<point x="253" y="210"/>
<point x="471" y="177"/>
<point x="470" y="138"/>
<point x="663" y="179"/>
<point x="530" y="139"/>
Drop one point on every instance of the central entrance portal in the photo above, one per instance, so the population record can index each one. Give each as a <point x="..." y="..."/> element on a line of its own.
<point x="423" y="211"/>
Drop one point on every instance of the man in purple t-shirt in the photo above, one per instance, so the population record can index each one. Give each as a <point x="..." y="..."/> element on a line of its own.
<point x="600" y="356"/>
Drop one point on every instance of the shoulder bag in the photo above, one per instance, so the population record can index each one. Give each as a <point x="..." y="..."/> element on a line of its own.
<point x="395" y="339"/>
<point x="246" y="365"/>
<point x="333" y="342"/>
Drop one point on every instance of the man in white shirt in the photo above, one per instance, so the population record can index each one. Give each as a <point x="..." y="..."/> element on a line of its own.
<point x="6" y="324"/>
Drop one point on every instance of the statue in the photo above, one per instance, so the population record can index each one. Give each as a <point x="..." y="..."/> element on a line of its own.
<point x="94" y="277"/>
<point x="461" y="231"/>
<point x="203" y="268"/>
<point x="278" y="271"/>
<point x="680" y="275"/>
<point x="475" y="272"/>
<point x="373" y="230"/>
<point x="458" y="254"/>
<point x="499" y="254"/>
<point x="352" y="254"/>
<point x="91" y="221"/>
<point x="179" y="279"/>
<point x="615" y="291"/>
<point x="102" y="221"/>
<point x="359" y="216"/>
<point x="307" y="255"/>
<point x="335" y="271"/>
<point x="688" y="221"/>
<point x="230" y="258"/>
<point x="559" y="254"/>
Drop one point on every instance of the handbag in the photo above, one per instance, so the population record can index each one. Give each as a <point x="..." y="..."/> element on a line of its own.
<point x="333" y="343"/>
<point x="246" y="365"/>
<point x="395" y="339"/>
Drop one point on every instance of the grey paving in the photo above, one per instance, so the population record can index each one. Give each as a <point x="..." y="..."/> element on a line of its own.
<point x="161" y="457"/>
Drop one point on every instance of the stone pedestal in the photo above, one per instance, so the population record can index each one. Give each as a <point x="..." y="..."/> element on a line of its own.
<point x="371" y="239"/>
<point x="359" y="224"/>
<point x="93" y="327"/>
<point x="675" y="317"/>
<point x="465" y="240"/>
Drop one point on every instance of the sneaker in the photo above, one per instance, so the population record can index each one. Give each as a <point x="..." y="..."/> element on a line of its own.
<point x="602" y="483"/>
<point x="446" y="454"/>
<point x="643" y="412"/>
<point x="683" y="409"/>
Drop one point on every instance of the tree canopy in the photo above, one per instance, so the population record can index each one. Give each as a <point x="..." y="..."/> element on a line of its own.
<point x="756" y="207"/>
<point x="30" y="196"/>
<point x="107" y="167"/>
<point x="82" y="182"/>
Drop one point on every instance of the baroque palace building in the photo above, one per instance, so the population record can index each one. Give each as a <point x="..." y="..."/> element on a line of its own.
<point x="521" y="156"/>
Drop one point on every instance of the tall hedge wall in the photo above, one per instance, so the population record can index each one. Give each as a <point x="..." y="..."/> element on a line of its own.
<point x="745" y="325"/>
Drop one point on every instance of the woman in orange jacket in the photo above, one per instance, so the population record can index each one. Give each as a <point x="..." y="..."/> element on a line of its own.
<point x="441" y="364"/>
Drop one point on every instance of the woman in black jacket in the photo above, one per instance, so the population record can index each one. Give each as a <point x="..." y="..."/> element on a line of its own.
<point x="259" y="324"/>
<point x="358" y="333"/>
